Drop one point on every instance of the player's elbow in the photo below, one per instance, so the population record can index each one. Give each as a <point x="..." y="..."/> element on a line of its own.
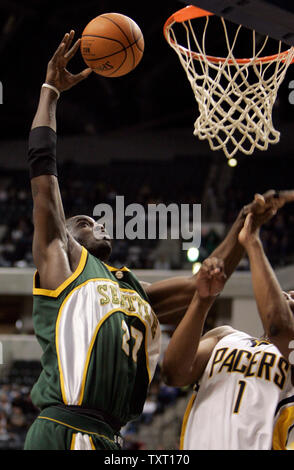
<point x="172" y="380"/>
<point x="172" y="375"/>
<point x="276" y="329"/>
<point x="277" y="324"/>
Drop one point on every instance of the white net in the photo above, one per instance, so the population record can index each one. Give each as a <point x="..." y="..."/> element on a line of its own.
<point x="235" y="98"/>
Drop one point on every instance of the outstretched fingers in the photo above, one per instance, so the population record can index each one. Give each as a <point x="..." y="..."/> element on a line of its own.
<point x="71" y="52"/>
<point x="61" y="48"/>
<point x="69" y="40"/>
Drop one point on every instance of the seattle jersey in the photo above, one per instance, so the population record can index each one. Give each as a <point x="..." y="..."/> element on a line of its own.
<point x="245" y="399"/>
<point x="100" y="341"/>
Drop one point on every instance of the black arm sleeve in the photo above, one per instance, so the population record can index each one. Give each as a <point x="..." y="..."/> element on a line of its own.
<point x="42" y="152"/>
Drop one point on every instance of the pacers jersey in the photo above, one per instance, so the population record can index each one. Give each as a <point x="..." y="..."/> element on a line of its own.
<point x="245" y="399"/>
<point x="100" y="341"/>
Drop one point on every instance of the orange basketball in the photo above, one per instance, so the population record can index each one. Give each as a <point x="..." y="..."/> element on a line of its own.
<point x="112" y="44"/>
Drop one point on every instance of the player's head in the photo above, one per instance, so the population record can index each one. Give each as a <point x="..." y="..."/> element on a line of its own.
<point x="290" y="298"/>
<point x="91" y="235"/>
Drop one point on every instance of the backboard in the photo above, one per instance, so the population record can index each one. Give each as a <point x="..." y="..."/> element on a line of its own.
<point x="274" y="18"/>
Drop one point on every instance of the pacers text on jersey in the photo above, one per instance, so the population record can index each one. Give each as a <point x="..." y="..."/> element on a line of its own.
<point x="160" y="222"/>
<point x="262" y="364"/>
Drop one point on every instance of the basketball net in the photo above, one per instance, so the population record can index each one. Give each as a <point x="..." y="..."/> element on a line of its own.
<point x="235" y="97"/>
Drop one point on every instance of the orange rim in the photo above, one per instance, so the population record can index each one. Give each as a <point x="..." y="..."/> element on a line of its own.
<point x="191" y="12"/>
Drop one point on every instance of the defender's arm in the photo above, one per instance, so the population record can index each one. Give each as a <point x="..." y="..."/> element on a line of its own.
<point x="187" y="355"/>
<point x="273" y="305"/>
<point x="171" y="297"/>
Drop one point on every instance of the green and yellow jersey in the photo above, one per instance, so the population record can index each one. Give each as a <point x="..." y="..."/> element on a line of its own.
<point x="100" y="340"/>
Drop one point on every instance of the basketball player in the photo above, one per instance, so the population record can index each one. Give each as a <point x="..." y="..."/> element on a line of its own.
<point x="244" y="393"/>
<point x="96" y="324"/>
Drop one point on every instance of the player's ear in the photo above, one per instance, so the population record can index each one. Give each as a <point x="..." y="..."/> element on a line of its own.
<point x="69" y="224"/>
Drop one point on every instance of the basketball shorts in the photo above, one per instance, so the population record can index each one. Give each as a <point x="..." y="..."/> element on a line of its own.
<point x="58" y="429"/>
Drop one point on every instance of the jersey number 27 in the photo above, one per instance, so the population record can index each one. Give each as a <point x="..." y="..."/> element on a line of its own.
<point x="136" y="335"/>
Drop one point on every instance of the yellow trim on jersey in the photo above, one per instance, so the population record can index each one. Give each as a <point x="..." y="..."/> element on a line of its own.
<point x="94" y="339"/>
<point x="76" y="429"/>
<point x="74" y="275"/>
<point x="73" y="442"/>
<point x="92" y="443"/>
<point x="95" y="334"/>
<point x="185" y="419"/>
<point x="285" y="420"/>
<point x="111" y="268"/>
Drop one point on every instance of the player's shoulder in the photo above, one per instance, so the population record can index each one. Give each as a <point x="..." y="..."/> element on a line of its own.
<point x="220" y="332"/>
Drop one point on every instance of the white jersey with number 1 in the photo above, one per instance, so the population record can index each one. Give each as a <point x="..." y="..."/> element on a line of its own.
<point x="245" y="400"/>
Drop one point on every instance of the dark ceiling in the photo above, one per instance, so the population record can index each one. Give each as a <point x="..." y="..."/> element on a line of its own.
<point x="30" y="32"/>
<point x="156" y="94"/>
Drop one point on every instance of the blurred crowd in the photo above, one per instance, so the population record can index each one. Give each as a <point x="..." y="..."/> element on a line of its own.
<point x="277" y="235"/>
<point x="82" y="188"/>
<point x="160" y="399"/>
<point x="16" y="415"/>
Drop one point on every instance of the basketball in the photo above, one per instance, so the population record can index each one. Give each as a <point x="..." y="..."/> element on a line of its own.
<point x="112" y="44"/>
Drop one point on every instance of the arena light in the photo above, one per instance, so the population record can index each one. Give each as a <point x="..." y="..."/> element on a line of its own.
<point x="193" y="254"/>
<point x="18" y="324"/>
<point x="232" y="162"/>
<point x="196" y="267"/>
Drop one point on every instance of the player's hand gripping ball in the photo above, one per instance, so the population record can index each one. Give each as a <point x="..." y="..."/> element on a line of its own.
<point x="112" y="44"/>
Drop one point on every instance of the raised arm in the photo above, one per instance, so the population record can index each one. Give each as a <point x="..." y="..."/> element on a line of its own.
<point x="274" y="306"/>
<point x="186" y="356"/>
<point x="171" y="297"/>
<point x="264" y="206"/>
<point x="50" y="242"/>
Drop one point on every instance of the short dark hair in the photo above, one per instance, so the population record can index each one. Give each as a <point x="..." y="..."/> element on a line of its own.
<point x="69" y="221"/>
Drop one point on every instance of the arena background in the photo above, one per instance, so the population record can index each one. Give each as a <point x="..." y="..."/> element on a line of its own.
<point x="130" y="136"/>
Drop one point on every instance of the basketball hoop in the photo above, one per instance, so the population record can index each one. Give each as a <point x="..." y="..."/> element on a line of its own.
<point x="235" y="96"/>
